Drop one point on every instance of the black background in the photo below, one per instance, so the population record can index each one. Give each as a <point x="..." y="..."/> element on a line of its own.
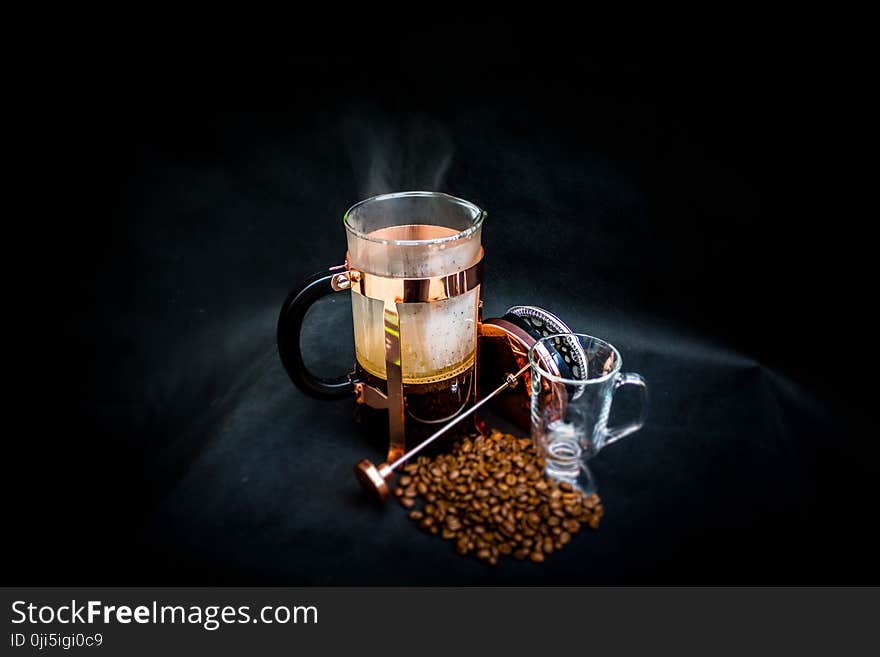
<point x="672" y="198"/>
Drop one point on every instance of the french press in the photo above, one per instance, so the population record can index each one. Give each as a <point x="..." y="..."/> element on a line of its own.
<point x="414" y="268"/>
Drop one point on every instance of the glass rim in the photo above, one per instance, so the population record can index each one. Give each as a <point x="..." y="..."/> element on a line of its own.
<point x="534" y="361"/>
<point x="480" y="215"/>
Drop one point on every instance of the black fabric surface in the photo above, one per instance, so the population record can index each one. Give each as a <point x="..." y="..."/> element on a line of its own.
<point x="635" y="196"/>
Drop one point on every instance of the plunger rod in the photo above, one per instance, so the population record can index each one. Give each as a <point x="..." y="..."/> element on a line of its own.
<point x="509" y="382"/>
<point x="375" y="478"/>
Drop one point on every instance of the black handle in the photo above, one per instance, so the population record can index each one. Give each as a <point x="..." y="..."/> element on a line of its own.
<point x="289" y="329"/>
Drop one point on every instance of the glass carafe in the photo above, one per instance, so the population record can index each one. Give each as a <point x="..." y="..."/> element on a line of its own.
<point x="414" y="269"/>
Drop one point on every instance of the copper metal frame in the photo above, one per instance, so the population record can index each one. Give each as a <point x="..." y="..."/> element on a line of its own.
<point x="403" y="290"/>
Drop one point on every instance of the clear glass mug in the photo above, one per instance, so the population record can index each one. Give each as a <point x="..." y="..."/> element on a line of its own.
<point x="414" y="268"/>
<point x="572" y="388"/>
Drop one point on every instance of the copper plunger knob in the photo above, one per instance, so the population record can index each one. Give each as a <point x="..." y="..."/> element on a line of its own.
<point x="373" y="478"/>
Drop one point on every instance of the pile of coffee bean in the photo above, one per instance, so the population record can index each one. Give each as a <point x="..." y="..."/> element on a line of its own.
<point x="491" y="497"/>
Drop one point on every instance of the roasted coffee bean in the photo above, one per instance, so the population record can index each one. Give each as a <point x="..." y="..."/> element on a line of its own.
<point x="453" y="523"/>
<point x="490" y="496"/>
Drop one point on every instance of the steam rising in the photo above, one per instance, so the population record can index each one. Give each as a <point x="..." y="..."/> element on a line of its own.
<point x="391" y="158"/>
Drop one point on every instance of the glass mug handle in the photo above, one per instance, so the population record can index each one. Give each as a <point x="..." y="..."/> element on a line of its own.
<point x="290" y="323"/>
<point x="629" y="379"/>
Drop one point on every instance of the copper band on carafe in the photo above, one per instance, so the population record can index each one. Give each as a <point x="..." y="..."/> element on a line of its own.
<point x="413" y="290"/>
